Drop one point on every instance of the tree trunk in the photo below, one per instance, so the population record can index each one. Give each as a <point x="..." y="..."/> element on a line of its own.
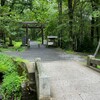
<point x="42" y="35"/>
<point x="92" y="30"/>
<point x="3" y="2"/>
<point x="12" y="5"/>
<point x="92" y="23"/>
<point x="97" y="29"/>
<point x="70" y="8"/>
<point x="60" y="22"/>
<point x="4" y="38"/>
<point x="10" y="41"/>
<point x="95" y="5"/>
<point x="4" y="35"/>
<point x="97" y="49"/>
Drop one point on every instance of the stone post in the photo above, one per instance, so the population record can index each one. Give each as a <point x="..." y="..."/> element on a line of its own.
<point x="89" y="59"/>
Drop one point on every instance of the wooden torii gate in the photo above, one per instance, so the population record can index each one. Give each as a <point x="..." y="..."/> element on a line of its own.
<point x="32" y="24"/>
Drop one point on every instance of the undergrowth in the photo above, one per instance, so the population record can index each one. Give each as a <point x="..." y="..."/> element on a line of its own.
<point x="11" y="85"/>
<point x="16" y="47"/>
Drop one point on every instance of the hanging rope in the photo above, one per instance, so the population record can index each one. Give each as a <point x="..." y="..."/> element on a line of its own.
<point x="97" y="49"/>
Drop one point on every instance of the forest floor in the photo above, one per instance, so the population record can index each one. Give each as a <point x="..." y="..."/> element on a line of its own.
<point x="69" y="77"/>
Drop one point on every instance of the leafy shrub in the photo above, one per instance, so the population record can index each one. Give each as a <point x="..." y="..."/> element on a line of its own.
<point x="11" y="85"/>
<point x="98" y="66"/>
<point x="19" y="60"/>
<point x="17" y="45"/>
<point x="6" y="64"/>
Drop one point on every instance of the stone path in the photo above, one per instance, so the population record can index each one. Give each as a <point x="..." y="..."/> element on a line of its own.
<point x="70" y="79"/>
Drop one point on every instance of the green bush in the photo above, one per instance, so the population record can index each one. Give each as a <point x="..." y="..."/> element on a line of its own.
<point x="98" y="66"/>
<point x="17" y="45"/>
<point x="6" y="64"/>
<point x="12" y="80"/>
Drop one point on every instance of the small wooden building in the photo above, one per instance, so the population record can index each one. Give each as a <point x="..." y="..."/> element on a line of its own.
<point x="52" y="41"/>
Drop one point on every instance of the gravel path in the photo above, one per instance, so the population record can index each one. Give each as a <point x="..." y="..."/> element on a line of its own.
<point x="46" y="54"/>
<point x="70" y="79"/>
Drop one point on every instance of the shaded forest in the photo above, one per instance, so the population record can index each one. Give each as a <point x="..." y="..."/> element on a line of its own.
<point x="75" y="22"/>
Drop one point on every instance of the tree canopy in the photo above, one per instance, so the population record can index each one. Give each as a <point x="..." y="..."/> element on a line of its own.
<point x="75" y="22"/>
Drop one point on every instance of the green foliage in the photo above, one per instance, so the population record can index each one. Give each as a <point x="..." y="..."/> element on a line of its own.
<point x="2" y="49"/>
<point x="17" y="45"/>
<point x="11" y="79"/>
<point x="96" y="13"/>
<point x="11" y="84"/>
<point x="52" y="27"/>
<point x="7" y="64"/>
<point x="98" y="66"/>
<point x="56" y="22"/>
<point x="70" y="52"/>
<point x="39" y="40"/>
<point x="19" y="60"/>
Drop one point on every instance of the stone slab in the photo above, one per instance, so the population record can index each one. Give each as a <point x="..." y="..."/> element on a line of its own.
<point x="42" y="81"/>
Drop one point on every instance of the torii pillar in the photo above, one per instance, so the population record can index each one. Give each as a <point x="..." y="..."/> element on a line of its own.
<point x="26" y="33"/>
<point x="42" y="34"/>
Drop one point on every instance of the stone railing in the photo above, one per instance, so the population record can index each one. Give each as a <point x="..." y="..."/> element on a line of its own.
<point x="92" y="62"/>
<point x="42" y="81"/>
<point x="37" y="74"/>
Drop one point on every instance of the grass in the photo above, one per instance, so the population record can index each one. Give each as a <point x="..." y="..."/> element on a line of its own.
<point x="3" y="49"/>
<point x="70" y="52"/>
<point x="17" y="47"/>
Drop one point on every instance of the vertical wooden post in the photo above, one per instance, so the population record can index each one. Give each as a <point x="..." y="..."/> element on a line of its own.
<point x="42" y="34"/>
<point x="26" y="33"/>
<point x="4" y="38"/>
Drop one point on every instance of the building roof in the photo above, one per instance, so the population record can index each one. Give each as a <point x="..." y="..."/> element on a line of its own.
<point x="52" y="37"/>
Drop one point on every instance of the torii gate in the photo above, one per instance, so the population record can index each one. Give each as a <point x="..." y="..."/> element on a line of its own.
<point x="32" y="24"/>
